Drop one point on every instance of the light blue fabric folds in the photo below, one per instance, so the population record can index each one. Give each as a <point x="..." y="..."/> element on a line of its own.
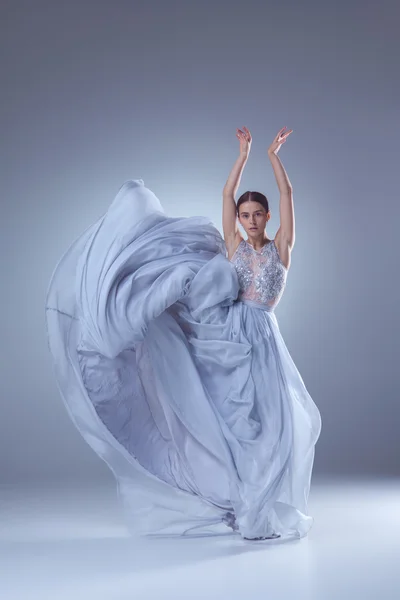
<point x="190" y="396"/>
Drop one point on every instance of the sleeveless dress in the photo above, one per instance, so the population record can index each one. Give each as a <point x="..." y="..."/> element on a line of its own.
<point x="170" y="362"/>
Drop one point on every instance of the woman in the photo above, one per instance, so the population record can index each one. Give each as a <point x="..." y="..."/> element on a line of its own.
<point x="171" y="364"/>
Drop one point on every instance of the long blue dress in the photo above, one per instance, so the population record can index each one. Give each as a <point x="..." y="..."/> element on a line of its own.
<point x="171" y="364"/>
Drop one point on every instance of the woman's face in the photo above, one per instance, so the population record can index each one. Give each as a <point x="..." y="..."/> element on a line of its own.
<point x="253" y="217"/>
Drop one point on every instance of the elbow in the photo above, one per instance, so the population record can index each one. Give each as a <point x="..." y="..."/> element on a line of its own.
<point x="288" y="190"/>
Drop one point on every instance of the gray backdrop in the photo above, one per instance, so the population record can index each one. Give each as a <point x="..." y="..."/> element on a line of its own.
<point x="96" y="92"/>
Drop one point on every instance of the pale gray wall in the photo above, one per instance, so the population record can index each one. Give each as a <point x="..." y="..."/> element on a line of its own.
<point x="96" y="92"/>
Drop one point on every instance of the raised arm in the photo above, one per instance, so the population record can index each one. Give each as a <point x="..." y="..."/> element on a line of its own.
<point x="285" y="236"/>
<point x="229" y="222"/>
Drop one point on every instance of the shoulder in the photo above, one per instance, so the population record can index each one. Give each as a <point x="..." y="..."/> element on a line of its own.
<point x="232" y="244"/>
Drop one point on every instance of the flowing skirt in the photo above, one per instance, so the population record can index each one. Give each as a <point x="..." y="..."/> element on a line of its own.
<point x="189" y="395"/>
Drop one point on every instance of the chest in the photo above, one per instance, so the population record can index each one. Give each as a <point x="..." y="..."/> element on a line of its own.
<point x="261" y="274"/>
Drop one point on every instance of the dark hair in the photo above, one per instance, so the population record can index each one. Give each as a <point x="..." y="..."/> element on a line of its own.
<point x="255" y="197"/>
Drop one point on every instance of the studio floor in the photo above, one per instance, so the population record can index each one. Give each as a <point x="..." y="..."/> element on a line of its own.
<point x="68" y="541"/>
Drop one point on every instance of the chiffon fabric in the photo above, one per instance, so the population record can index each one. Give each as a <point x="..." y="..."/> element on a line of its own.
<point x="188" y="394"/>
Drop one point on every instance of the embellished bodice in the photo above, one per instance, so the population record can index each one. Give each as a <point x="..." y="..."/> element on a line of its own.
<point x="261" y="273"/>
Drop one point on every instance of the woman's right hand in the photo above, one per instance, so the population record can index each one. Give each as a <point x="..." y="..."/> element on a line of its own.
<point x="245" y="140"/>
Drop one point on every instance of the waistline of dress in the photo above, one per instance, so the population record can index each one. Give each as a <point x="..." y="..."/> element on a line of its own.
<point x="256" y="304"/>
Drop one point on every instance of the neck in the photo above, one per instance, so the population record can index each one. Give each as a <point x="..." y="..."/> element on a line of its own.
<point x="257" y="241"/>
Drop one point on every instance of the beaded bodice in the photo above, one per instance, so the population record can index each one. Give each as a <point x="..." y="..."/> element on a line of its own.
<point x="261" y="273"/>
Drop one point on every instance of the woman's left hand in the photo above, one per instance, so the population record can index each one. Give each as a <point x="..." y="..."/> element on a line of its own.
<point x="280" y="139"/>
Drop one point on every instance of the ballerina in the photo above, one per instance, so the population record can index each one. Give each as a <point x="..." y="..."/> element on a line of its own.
<point x="169" y="358"/>
<point x="253" y="211"/>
